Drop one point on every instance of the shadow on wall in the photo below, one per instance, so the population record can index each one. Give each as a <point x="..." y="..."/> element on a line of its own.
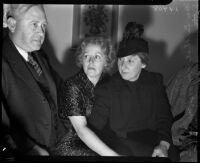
<point x="168" y="66"/>
<point x="140" y="14"/>
<point x="65" y="69"/>
<point x="49" y="50"/>
<point x="185" y="52"/>
<point x="69" y="62"/>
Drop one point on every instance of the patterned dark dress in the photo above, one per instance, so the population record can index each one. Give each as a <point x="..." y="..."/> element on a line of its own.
<point x="76" y="99"/>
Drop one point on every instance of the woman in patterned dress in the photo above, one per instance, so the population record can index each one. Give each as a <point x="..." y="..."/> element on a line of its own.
<point x="95" y="58"/>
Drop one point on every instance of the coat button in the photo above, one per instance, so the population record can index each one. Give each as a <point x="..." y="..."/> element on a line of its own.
<point x="44" y="100"/>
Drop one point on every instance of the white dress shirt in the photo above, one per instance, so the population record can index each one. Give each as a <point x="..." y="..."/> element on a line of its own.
<point x="23" y="53"/>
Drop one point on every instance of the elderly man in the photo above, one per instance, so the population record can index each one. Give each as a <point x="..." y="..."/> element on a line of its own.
<point x="29" y="84"/>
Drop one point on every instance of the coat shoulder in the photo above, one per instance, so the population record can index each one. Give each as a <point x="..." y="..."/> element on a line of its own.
<point x="154" y="77"/>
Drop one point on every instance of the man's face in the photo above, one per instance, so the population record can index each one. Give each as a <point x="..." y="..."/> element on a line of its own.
<point x="30" y="29"/>
<point x="130" y="67"/>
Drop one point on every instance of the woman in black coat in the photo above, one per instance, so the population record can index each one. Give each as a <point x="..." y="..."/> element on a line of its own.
<point x="134" y="104"/>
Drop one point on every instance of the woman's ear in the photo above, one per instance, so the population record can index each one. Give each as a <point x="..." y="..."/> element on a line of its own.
<point x="144" y="66"/>
<point x="11" y="22"/>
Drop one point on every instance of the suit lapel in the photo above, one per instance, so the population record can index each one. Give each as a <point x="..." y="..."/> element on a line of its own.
<point x="19" y="66"/>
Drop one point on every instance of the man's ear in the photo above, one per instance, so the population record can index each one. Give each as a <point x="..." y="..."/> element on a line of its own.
<point x="11" y="22"/>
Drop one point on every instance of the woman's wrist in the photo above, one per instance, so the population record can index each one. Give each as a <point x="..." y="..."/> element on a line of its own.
<point x="165" y="144"/>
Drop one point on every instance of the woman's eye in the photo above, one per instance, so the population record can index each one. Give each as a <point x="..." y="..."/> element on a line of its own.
<point x="131" y="61"/>
<point x="85" y="56"/>
<point x="97" y="57"/>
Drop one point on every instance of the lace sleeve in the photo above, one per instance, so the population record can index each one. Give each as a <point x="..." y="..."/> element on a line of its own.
<point x="70" y="101"/>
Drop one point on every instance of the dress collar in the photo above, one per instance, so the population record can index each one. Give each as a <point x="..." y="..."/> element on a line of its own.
<point x="85" y="79"/>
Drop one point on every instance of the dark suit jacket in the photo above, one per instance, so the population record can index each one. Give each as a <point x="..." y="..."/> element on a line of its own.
<point x="29" y="114"/>
<point x="130" y="107"/>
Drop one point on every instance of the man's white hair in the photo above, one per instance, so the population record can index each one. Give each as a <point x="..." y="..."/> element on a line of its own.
<point x="15" y="10"/>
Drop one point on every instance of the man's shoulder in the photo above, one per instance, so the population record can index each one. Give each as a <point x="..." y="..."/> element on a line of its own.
<point x="6" y="45"/>
<point x="9" y="52"/>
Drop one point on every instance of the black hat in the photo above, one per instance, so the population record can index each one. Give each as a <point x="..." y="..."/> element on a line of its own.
<point x="129" y="47"/>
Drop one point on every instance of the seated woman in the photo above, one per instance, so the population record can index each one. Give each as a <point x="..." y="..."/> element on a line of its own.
<point x="134" y="103"/>
<point x="95" y="57"/>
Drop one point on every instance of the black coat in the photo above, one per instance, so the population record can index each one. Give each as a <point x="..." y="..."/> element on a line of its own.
<point x="129" y="107"/>
<point x="27" y="109"/>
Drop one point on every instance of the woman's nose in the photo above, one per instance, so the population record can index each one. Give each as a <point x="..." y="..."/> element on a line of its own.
<point x="91" y="59"/>
<point x="123" y="65"/>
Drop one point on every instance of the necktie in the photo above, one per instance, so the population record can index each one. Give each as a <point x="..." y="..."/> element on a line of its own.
<point x="34" y="64"/>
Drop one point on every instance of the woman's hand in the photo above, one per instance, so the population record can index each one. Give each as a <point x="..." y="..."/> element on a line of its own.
<point x="161" y="150"/>
<point x="89" y="137"/>
<point x="41" y="151"/>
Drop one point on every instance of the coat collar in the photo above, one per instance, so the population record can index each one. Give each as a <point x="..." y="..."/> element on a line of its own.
<point x="119" y="84"/>
<point x="81" y="75"/>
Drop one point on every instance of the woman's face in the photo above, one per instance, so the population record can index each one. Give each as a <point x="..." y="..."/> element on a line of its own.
<point x="94" y="61"/>
<point x="130" y="67"/>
